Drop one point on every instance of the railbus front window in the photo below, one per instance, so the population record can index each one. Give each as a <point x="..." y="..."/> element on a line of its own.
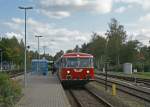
<point x="78" y="62"/>
<point x="72" y="62"/>
<point x="85" y="62"/>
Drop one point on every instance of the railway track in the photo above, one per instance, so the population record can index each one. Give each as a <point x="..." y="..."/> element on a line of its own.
<point x="131" y="79"/>
<point x="146" y="82"/>
<point x="16" y="74"/>
<point x="86" y="98"/>
<point x="132" y="90"/>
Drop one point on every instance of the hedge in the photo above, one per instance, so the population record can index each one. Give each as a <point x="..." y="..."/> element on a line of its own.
<point x="10" y="91"/>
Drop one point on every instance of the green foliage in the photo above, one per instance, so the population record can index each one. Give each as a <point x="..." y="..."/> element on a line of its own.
<point x="117" y="68"/>
<point x="116" y="36"/>
<point x="58" y="55"/>
<point x="69" y="51"/>
<point x="96" y="46"/>
<point x="143" y="75"/>
<point x="129" y="52"/>
<point x="116" y="32"/>
<point x="115" y="48"/>
<point x="9" y="91"/>
<point x="147" y="66"/>
<point x="12" y="50"/>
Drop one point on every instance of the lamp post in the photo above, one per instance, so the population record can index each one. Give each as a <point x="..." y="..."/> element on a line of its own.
<point x="106" y="66"/>
<point x="44" y="47"/>
<point x="38" y="52"/>
<point x="1" y="59"/>
<point x="25" y="53"/>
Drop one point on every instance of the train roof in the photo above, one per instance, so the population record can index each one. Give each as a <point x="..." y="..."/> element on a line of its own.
<point x="77" y="55"/>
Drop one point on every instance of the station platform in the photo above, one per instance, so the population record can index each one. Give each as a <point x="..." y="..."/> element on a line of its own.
<point x="43" y="91"/>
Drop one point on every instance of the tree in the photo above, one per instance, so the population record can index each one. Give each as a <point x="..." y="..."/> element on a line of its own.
<point x="116" y="36"/>
<point x="114" y="48"/>
<point x="76" y="49"/>
<point x="128" y="52"/>
<point x="58" y="55"/>
<point x="69" y="51"/>
<point x="13" y="51"/>
<point x="96" y="47"/>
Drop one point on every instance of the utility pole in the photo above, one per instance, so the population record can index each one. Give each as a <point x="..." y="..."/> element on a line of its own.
<point x="38" y="52"/>
<point x="25" y="50"/>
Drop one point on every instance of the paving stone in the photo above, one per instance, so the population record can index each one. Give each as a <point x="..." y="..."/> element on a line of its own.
<point x="43" y="91"/>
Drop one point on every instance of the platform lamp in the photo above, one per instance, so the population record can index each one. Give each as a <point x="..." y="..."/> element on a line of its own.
<point x="44" y="47"/>
<point x="28" y="47"/>
<point x="1" y="51"/>
<point x="106" y="74"/>
<point x="37" y="36"/>
<point x="25" y="53"/>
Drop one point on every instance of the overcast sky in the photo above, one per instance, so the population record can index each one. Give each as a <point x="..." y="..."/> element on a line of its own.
<point x="65" y="23"/>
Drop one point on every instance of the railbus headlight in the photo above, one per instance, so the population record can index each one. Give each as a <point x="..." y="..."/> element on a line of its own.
<point x="87" y="71"/>
<point x="68" y="72"/>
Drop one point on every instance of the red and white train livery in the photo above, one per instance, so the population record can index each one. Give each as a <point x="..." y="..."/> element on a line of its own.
<point x="75" y="68"/>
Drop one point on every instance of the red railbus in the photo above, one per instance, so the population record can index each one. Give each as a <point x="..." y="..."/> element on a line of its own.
<point x="75" y="68"/>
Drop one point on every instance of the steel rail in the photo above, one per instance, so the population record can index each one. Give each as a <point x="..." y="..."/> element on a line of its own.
<point x="131" y="79"/>
<point x="100" y="98"/>
<point x="94" y="95"/>
<point x="127" y="89"/>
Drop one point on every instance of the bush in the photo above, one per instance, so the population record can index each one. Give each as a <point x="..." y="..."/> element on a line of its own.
<point x="9" y="90"/>
<point x="147" y="67"/>
<point x="142" y="66"/>
<point x="138" y="66"/>
<point x="117" y="68"/>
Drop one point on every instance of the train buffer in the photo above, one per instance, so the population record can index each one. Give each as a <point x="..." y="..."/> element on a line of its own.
<point x="43" y="91"/>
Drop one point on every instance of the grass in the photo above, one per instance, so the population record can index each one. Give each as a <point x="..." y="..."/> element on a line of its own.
<point x="145" y="75"/>
<point x="142" y="75"/>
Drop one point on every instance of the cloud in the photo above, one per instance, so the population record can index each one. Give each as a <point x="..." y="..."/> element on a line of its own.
<point x="120" y="9"/>
<point x="14" y="24"/>
<point x="54" y="38"/>
<point x="48" y="3"/>
<point x="64" y="8"/>
<point x="145" y="18"/>
<point x="144" y="3"/>
<point x="56" y="15"/>
<point x="141" y="35"/>
<point x="11" y="34"/>
<point x="99" y="6"/>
